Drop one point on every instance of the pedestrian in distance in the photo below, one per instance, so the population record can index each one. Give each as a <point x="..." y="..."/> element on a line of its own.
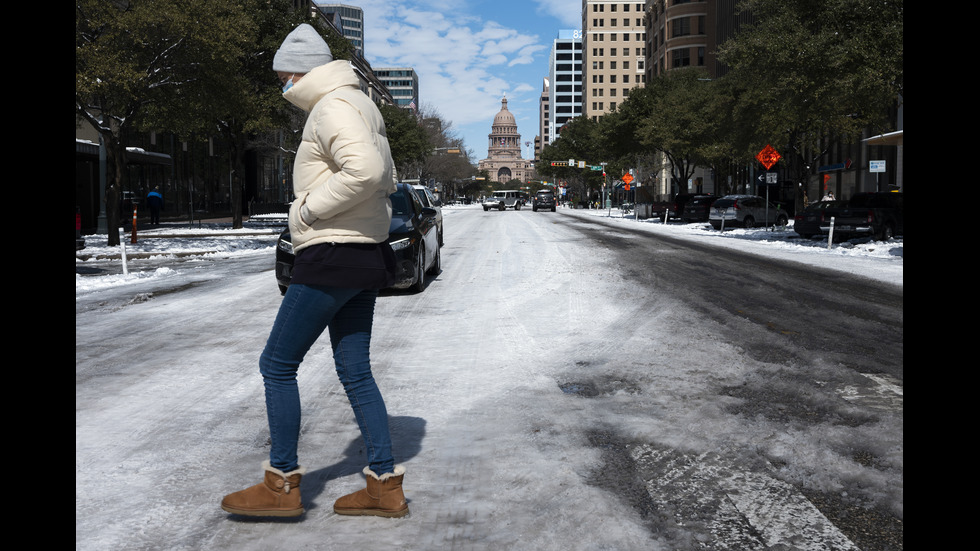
<point x="829" y="196"/>
<point x="339" y="222"/>
<point x="155" y="202"/>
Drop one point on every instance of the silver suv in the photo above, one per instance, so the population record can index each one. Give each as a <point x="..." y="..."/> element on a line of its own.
<point x="505" y="199"/>
<point x="746" y="211"/>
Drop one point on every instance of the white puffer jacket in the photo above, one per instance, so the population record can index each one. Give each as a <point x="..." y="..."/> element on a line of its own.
<point x="343" y="172"/>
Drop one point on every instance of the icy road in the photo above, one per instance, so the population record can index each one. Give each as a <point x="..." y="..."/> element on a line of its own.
<point x="563" y="384"/>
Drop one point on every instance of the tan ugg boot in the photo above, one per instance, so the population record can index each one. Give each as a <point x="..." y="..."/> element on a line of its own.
<point x="383" y="496"/>
<point x="277" y="495"/>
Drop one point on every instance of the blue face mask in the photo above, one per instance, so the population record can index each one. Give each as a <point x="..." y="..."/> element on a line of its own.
<point x="289" y="84"/>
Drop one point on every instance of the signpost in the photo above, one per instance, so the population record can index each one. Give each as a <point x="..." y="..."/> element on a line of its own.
<point x="768" y="157"/>
<point x="877" y="167"/>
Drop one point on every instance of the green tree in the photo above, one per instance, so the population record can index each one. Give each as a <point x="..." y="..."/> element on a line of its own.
<point x="407" y="139"/>
<point x="676" y="120"/>
<point x="811" y="70"/>
<point x="580" y="140"/>
<point x="133" y="56"/>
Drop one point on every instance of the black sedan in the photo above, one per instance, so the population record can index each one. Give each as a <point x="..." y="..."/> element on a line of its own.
<point x="697" y="208"/>
<point x="807" y="223"/>
<point x="413" y="237"/>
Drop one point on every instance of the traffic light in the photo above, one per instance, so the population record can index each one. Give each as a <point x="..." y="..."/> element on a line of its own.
<point x="559" y="163"/>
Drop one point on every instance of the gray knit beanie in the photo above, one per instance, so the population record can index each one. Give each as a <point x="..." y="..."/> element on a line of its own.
<point x="302" y="50"/>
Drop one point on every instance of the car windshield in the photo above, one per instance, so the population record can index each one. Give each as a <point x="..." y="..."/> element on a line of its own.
<point x="401" y="203"/>
<point x="825" y="204"/>
<point x="870" y="200"/>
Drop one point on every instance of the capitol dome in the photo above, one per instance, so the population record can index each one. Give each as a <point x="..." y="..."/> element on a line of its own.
<point x="504" y="117"/>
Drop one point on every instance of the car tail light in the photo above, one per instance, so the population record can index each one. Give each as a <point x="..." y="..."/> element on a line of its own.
<point x="871" y="216"/>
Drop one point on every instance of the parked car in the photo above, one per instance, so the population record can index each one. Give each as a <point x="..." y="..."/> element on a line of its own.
<point x="808" y="222"/>
<point x="746" y="211"/>
<point x="544" y="199"/>
<point x="412" y="235"/>
<point x="504" y="199"/>
<point x="675" y="208"/>
<point x="880" y="215"/>
<point x="698" y="208"/>
<point x="429" y="200"/>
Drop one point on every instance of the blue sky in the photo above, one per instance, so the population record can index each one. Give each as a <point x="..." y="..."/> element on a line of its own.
<point x="469" y="54"/>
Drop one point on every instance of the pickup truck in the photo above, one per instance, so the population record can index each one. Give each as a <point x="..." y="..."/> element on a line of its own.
<point x="876" y="214"/>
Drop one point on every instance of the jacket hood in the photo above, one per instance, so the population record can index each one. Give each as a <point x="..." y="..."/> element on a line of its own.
<point x="319" y="82"/>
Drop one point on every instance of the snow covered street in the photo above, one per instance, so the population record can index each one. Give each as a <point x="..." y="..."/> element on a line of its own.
<point x="543" y="393"/>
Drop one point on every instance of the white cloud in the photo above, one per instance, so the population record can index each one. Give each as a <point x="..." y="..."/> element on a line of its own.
<point x="461" y="58"/>
<point x="568" y="12"/>
<point x="469" y="54"/>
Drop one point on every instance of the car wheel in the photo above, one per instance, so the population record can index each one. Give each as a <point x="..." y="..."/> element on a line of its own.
<point x="886" y="232"/>
<point x="781" y="220"/>
<point x="502" y="207"/>
<point x="552" y="209"/>
<point x="517" y="206"/>
<point x="437" y="263"/>
<point x="419" y="285"/>
<point x="748" y="222"/>
<point x="485" y="209"/>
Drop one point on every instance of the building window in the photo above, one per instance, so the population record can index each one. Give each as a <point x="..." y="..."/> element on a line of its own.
<point x="681" y="58"/>
<point x="681" y="26"/>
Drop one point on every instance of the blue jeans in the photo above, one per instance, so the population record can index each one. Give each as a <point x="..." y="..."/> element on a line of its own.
<point x="305" y="312"/>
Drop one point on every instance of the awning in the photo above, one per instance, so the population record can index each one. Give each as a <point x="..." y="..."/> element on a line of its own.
<point x="134" y="155"/>
<point x="891" y="138"/>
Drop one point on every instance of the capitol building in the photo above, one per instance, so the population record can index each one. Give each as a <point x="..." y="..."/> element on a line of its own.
<point x="504" y="162"/>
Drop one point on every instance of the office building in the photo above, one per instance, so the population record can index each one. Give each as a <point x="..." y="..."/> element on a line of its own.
<point x="614" y="53"/>
<point x="565" y="83"/>
<point x="544" y="120"/>
<point x="403" y="83"/>
<point x="351" y="23"/>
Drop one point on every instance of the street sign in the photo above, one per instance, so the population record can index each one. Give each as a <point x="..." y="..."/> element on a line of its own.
<point x="627" y="178"/>
<point x="877" y="166"/>
<point x="768" y="156"/>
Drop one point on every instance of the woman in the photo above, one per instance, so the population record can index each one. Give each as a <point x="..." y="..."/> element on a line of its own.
<point x="339" y="223"/>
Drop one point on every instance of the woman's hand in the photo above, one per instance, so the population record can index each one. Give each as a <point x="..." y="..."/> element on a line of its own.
<point x="306" y="215"/>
